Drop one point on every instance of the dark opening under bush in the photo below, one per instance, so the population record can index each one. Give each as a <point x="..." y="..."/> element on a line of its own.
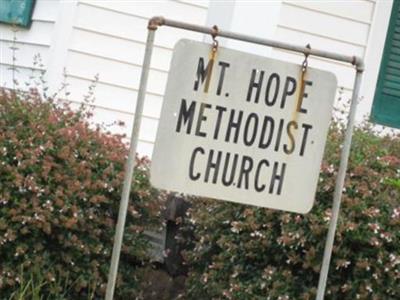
<point x="60" y="186"/>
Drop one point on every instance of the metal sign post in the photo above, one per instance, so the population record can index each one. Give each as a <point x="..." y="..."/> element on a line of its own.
<point x="339" y="188"/>
<point x="156" y="22"/>
<point x="129" y="168"/>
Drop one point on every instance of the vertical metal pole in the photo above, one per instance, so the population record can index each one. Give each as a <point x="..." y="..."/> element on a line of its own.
<point x="339" y="189"/>
<point x="129" y="168"/>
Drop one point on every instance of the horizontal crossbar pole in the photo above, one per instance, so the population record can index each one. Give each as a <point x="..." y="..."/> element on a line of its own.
<point x="155" y="22"/>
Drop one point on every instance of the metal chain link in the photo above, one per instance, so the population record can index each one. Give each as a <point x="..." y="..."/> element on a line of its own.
<point x="305" y="61"/>
<point x="214" y="34"/>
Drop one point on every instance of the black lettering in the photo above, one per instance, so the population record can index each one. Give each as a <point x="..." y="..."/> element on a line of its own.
<point x="306" y="127"/>
<point x="289" y="89"/>
<point x="286" y="148"/>
<point x="201" y="119"/>
<point x="245" y="168"/>
<point x="213" y="165"/>
<point x="234" y="125"/>
<point x="275" y="177"/>
<point x="193" y="176"/>
<point x="223" y="65"/>
<point x="265" y="143"/>
<point x="271" y="79"/>
<point x="253" y="84"/>
<point x="304" y="95"/>
<point x="225" y="181"/>
<point x="279" y="136"/>
<point x="202" y="73"/>
<point x="249" y="141"/>
<point x="186" y="115"/>
<point x="221" y="110"/>
<point x="260" y="188"/>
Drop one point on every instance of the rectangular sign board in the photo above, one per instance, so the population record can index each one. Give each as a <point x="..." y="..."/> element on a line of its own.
<point x="242" y="128"/>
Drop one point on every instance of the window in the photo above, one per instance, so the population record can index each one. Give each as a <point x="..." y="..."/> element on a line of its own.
<point x="17" y="12"/>
<point x="386" y="105"/>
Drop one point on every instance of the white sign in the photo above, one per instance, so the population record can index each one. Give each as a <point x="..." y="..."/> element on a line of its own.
<point x="242" y="128"/>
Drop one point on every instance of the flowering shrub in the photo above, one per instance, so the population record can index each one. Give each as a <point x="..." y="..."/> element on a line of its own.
<point x="60" y="186"/>
<point x="243" y="252"/>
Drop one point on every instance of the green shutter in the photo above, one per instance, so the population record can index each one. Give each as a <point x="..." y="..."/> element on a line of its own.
<point x="386" y="105"/>
<point x="17" y="12"/>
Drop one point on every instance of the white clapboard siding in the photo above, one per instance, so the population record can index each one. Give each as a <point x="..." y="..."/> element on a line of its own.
<point x="31" y="45"/>
<point x="146" y="136"/>
<point x="39" y="33"/>
<point x="344" y="72"/>
<point x="147" y="9"/>
<point x="336" y="26"/>
<point x="114" y="97"/>
<point x="25" y="55"/>
<point x="323" y="43"/>
<point x="122" y="50"/>
<point x="199" y="3"/>
<point x="125" y="26"/>
<point x="114" y="72"/>
<point x="25" y="77"/>
<point x="108" y="39"/>
<point x="45" y="10"/>
<point x="344" y="9"/>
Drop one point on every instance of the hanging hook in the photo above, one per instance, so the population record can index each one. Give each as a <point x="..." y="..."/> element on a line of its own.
<point x="306" y="54"/>
<point x="214" y="33"/>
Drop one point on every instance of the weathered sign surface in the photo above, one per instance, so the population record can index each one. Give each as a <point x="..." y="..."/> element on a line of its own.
<point x="242" y="128"/>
